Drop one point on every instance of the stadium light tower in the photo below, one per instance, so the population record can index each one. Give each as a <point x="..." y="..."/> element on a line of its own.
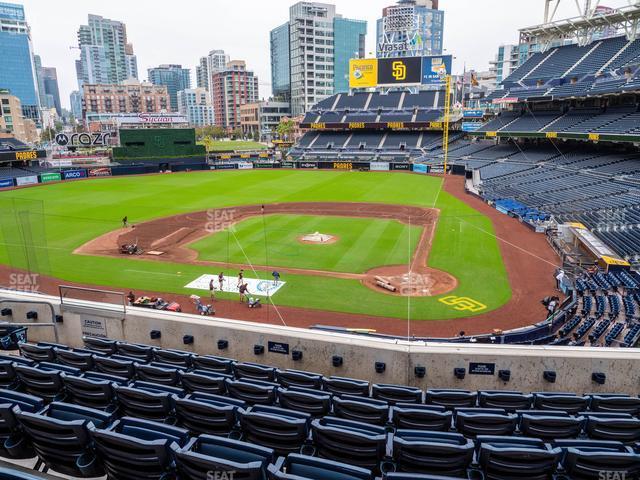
<point x="585" y="8"/>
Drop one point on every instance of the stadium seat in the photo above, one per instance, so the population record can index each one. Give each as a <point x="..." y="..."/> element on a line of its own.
<point x="202" y="413"/>
<point x="8" y="376"/>
<point x="252" y="392"/>
<point x="421" y="417"/>
<point x="76" y="359"/>
<point x="298" y="379"/>
<point x="472" y="422"/>
<point x="393" y="394"/>
<point x="60" y="435"/>
<point x="507" y="400"/>
<point x="206" y="454"/>
<point x="13" y="444"/>
<point x="451" y="399"/>
<point x="614" y="403"/>
<point x="254" y="371"/>
<point x="561" y="402"/>
<point x="46" y="384"/>
<point x="15" y="474"/>
<point x="612" y="426"/>
<point x="508" y="458"/>
<point x="135" y="449"/>
<point x="37" y="353"/>
<point x="174" y="357"/>
<point x="91" y="393"/>
<point x="549" y="425"/>
<point x="204" y="381"/>
<point x="302" y="467"/>
<point x="345" y="386"/>
<point x="142" y="353"/>
<point x="314" y="402"/>
<point x="359" y="409"/>
<point x="432" y="452"/>
<point x="213" y="363"/>
<point x="285" y="431"/>
<point x="144" y="403"/>
<point x="587" y="459"/>
<point x="350" y="442"/>
<point x="112" y="366"/>
<point x="102" y="345"/>
<point x="157" y="374"/>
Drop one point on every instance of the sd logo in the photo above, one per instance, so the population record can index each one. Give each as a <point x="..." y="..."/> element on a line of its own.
<point x="399" y="71"/>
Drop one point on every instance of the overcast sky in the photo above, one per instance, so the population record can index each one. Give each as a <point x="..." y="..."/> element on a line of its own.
<point x="183" y="31"/>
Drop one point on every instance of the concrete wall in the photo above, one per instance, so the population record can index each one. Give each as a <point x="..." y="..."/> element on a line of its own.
<point x="574" y="366"/>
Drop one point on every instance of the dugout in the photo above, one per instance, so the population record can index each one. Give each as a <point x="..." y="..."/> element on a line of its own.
<point x="159" y="145"/>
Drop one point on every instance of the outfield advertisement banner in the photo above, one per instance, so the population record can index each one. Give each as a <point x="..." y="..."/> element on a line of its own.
<point x="50" y="177"/>
<point x="288" y="164"/>
<point x="224" y="166"/>
<point x="435" y="69"/>
<point x="73" y="174"/>
<point x="379" y="166"/>
<point x="266" y="165"/>
<point x="307" y="165"/>
<point x="230" y="285"/>
<point x="30" y="180"/>
<point x="374" y="72"/>
<point x="401" y="166"/>
<point x="363" y="72"/>
<point x="99" y="172"/>
<point x="245" y="165"/>
<point x="6" y="182"/>
<point x="420" y="168"/>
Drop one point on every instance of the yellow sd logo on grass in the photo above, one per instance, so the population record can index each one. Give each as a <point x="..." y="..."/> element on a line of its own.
<point x="399" y="71"/>
<point x="463" y="303"/>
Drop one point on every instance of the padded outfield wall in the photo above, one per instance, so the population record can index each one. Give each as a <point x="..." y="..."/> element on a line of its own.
<point x="158" y="144"/>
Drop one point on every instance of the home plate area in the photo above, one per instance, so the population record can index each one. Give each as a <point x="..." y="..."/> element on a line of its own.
<point x="230" y="285"/>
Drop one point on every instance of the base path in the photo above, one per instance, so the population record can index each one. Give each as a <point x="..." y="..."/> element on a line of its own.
<point x="173" y="236"/>
<point x="528" y="258"/>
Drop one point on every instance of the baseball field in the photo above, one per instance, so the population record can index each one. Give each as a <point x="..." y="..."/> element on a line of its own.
<point x="46" y="230"/>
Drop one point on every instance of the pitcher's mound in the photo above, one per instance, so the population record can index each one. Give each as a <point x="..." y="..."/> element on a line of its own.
<point x="318" y="239"/>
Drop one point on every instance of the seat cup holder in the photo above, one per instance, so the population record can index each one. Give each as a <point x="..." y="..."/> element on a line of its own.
<point x="88" y="465"/>
<point x="308" y="450"/>
<point x="387" y="466"/>
<point x="235" y="435"/>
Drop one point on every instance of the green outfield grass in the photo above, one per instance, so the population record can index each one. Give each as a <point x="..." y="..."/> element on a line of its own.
<point x="362" y="244"/>
<point x="41" y="227"/>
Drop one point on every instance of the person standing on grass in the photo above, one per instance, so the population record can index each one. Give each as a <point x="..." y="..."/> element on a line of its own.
<point x="244" y="290"/>
<point x="125" y="222"/>
<point x="276" y="277"/>
<point x="221" y="279"/>
<point x="212" y="290"/>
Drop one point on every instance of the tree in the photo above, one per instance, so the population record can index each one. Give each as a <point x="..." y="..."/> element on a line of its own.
<point x="48" y="135"/>
<point x="285" y="128"/>
<point x="208" y="143"/>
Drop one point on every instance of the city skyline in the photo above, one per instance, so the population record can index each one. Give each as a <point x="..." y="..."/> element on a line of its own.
<point x="191" y="36"/>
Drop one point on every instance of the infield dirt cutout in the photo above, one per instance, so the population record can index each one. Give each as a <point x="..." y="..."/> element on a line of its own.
<point x="173" y="235"/>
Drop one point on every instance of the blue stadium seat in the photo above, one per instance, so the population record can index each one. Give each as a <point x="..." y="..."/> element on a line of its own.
<point x="472" y="422"/>
<point x="254" y="371"/>
<point x="393" y="394"/>
<point x="253" y="392"/>
<point x="76" y="359"/>
<point x="421" y="417"/>
<point x="112" y="366"/>
<point x="153" y="373"/>
<point x="314" y="402"/>
<point x="298" y="379"/>
<point x="301" y="467"/>
<point x="204" y="381"/>
<point x="13" y="444"/>
<point x="285" y="431"/>
<point x="202" y="413"/>
<point x="46" y="384"/>
<point x="360" y="409"/>
<point x="549" y="425"/>
<point x="142" y="353"/>
<point x="91" y="393"/>
<point x="345" y="386"/>
<point x="213" y="363"/>
<point x="176" y="358"/>
<point x="101" y="345"/>
<point x="144" y="403"/>
<point x="37" y="353"/>
<point x="587" y="459"/>
<point x="508" y="400"/>
<point x="451" y="399"/>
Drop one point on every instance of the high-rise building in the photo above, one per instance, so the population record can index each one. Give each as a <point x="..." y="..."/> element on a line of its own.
<point x="214" y="62"/>
<point x="17" y="66"/>
<point x="230" y="89"/>
<point x="261" y="119"/>
<point x="506" y="61"/>
<point x="11" y="119"/>
<point x="321" y="42"/>
<point x="195" y="104"/>
<point x="75" y="99"/>
<point x="280" y="66"/>
<point x="174" y="77"/>
<point x="412" y="28"/>
<point x="105" y="55"/>
<point x="48" y="86"/>
<point x="129" y="97"/>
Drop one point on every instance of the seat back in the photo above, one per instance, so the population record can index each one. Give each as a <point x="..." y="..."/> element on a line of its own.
<point x="8" y="377"/>
<point x="560" y="402"/>
<point x="512" y="458"/>
<point x="585" y="459"/>
<point x="314" y="402"/>
<point x="254" y="371"/>
<point x="89" y="393"/>
<point x="139" y="403"/>
<point x="102" y="345"/>
<point x="472" y="422"/>
<point x="509" y="401"/>
<point x="37" y="353"/>
<point x="614" y="404"/>
<point x="204" y="414"/>
<point x="451" y="399"/>
<point x="204" y="381"/>
<point x="142" y="353"/>
<point x="80" y="360"/>
<point x="207" y="454"/>
<point x="174" y="357"/>
<point x="619" y="427"/>
<point x="361" y="409"/>
<point x="550" y="425"/>
<point x="156" y="374"/>
<point x="13" y="443"/>
<point x="213" y="363"/>
<point x="280" y="429"/>
<point x="350" y="442"/>
<point x="421" y="417"/>
<point x="46" y="384"/>
<point x="298" y="379"/>
<point x="112" y="366"/>
<point x="252" y="392"/>
<point x="297" y="466"/>
<point x="393" y="394"/>
<point x="432" y="452"/>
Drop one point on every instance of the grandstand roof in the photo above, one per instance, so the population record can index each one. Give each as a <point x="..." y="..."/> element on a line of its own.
<point x="583" y="27"/>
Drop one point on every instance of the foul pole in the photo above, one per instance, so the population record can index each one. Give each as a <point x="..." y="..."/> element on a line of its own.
<point x="445" y="123"/>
